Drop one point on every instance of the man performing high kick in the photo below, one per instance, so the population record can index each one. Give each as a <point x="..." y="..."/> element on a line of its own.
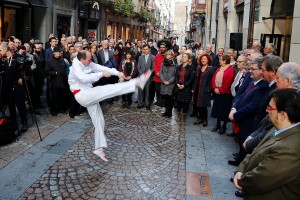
<point x="82" y="74"/>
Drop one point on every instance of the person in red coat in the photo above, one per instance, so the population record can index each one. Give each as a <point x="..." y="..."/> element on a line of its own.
<point x="221" y="83"/>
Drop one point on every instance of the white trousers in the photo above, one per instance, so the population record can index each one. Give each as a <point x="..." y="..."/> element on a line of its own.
<point x="90" y="99"/>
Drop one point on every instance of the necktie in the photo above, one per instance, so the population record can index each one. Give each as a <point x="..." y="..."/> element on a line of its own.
<point x="272" y="135"/>
<point x="249" y="88"/>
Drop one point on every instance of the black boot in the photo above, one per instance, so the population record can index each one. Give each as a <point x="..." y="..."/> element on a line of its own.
<point x="205" y="123"/>
<point x="216" y="128"/>
<point x="222" y="130"/>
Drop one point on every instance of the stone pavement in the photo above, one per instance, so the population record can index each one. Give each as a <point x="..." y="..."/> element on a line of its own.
<point x="149" y="157"/>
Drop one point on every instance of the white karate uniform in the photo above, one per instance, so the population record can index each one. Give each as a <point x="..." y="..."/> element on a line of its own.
<point x="81" y="78"/>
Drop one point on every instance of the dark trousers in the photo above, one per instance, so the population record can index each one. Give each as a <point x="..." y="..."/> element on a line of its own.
<point x="74" y="106"/>
<point x="169" y="103"/>
<point x="157" y="92"/>
<point x="48" y="91"/>
<point x="58" y="100"/>
<point x="127" y="98"/>
<point x="203" y="113"/>
<point x="39" y="83"/>
<point x="182" y="106"/>
<point x="144" y="95"/>
<point x="151" y="91"/>
<point x="16" y="98"/>
<point x="32" y="91"/>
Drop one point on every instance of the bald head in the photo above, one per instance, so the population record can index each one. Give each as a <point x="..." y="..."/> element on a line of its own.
<point x="85" y="57"/>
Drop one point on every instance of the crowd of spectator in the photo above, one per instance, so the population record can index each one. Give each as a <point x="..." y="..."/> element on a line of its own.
<point x="239" y="85"/>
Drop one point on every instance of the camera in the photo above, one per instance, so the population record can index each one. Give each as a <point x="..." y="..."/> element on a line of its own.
<point x="24" y="62"/>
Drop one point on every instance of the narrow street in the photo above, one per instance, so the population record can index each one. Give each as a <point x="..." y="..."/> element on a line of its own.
<point x="150" y="158"/>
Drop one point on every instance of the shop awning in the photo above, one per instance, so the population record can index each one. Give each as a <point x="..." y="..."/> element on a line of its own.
<point x="23" y="2"/>
<point x="37" y="3"/>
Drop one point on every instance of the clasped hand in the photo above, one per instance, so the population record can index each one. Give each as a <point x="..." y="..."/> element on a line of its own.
<point x="180" y="86"/>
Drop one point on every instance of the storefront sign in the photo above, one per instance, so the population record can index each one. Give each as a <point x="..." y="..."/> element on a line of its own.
<point x="92" y="33"/>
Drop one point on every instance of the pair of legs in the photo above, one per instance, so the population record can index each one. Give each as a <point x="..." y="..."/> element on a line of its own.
<point x="144" y="95"/>
<point x="126" y="100"/>
<point x="169" y="105"/>
<point x="218" y="127"/>
<point x="202" y="113"/>
<point x="90" y="99"/>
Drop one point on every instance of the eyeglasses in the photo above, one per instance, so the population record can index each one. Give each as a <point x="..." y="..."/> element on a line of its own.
<point x="269" y="108"/>
<point x="253" y="69"/>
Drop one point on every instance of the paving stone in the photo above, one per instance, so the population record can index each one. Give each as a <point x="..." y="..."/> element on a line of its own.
<point x="146" y="153"/>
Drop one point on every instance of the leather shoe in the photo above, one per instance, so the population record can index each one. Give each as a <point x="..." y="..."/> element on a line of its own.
<point x="222" y="130"/>
<point x="234" y="162"/>
<point x="239" y="194"/>
<point x="148" y="107"/>
<point x="205" y="123"/>
<point x="24" y="128"/>
<point x="139" y="107"/>
<point x="236" y="154"/>
<point x="200" y="121"/>
<point x="216" y="128"/>
<point x="193" y="114"/>
<point x="230" y="134"/>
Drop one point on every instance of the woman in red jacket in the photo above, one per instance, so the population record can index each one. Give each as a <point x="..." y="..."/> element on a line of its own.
<point x="221" y="83"/>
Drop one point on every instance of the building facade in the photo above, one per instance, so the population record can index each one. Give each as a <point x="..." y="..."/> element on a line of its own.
<point x="92" y="19"/>
<point x="237" y="24"/>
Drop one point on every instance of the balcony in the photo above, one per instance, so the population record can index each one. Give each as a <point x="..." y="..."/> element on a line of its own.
<point x="198" y="9"/>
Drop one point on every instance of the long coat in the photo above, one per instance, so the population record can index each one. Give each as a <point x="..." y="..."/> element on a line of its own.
<point x="56" y="69"/>
<point x="167" y="73"/>
<point x="202" y="87"/>
<point x="271" y="171"/>
<point x="186" y="93"/>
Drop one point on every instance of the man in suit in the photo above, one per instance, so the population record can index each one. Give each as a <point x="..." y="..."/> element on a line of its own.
<point x="215" y="58"/>
<point x="269" y="68"/>
<point x="106" y="58"/>
<point x="272" y="170"/>
<point x="48" y="52"/>
<point x="244" y="109"/>
<point x="104" y="54"/>
<point x="146" y="62"/>
<point x="287" y="76"/>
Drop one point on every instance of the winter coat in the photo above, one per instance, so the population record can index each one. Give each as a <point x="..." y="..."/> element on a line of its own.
<point x="202" y="87"/>
<point x="184" y="94"/>
<point x="167" y="73"/>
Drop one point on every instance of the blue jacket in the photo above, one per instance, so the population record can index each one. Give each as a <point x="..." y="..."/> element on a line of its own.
<point x="246" y="108"/>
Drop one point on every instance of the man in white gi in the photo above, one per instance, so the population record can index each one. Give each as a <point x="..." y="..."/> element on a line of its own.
<point x="83" y="73"/>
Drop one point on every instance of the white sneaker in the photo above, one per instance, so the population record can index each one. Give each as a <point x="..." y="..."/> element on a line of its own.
<point x="142" y="79"/>
<point x="101" y="154"/>
<point x="163" y="110"/>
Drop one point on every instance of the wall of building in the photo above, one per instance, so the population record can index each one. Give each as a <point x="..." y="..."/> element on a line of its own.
<point x="295" y="40"/>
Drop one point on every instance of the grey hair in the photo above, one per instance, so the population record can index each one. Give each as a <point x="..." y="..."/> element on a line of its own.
<point x="291" y="71"/>
<point x="244" y="57"/>
<point x="273" y="62"/>
<point x="270" y="46"/>
<point x="258" y="61"/>
<point x="78" y="43"/>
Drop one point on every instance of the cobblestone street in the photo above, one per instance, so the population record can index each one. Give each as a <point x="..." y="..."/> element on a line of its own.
<point x="150" y="157"/>
<point x="147" y="155"/>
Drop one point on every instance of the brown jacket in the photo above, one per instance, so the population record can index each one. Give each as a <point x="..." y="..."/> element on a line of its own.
<point x="272" y="171"/>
